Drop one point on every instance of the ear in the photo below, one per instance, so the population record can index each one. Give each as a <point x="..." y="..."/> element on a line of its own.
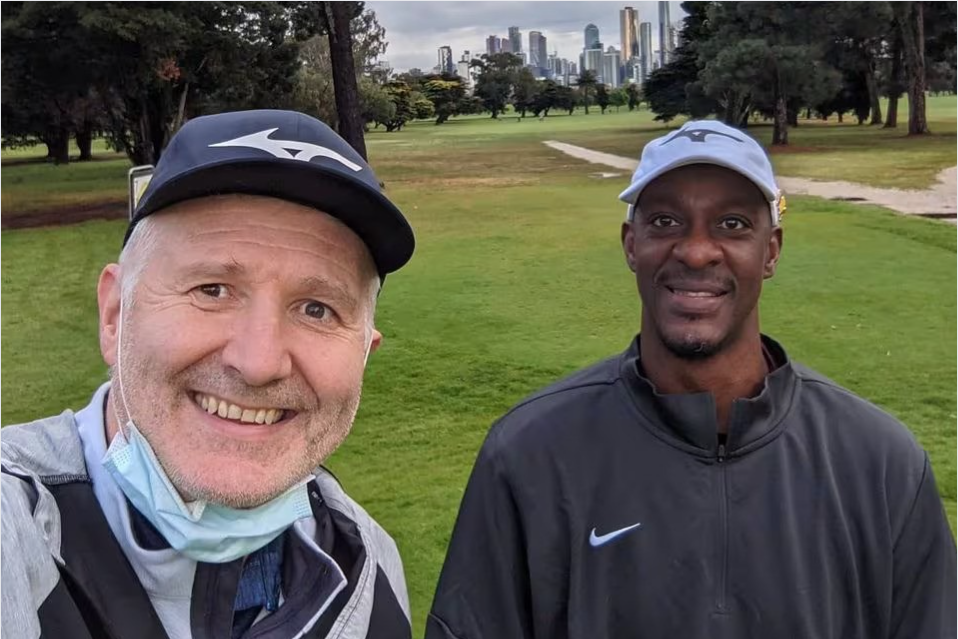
<point x="774" y="251"/>
<point x="108" y="296"/>
<point x="376" y="342"/>
<point x="628" y="245"/>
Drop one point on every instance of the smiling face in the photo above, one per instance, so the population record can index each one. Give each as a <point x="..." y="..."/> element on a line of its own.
<point x="700" y="245"/>
<point x="242" y="352"/>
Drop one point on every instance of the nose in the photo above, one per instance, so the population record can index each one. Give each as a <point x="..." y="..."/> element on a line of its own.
<point x="698" y="250"/>
<point x="257" y="348"/>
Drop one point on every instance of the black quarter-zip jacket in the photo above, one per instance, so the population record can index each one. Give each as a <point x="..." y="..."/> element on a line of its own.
<point x="601" y="508"/>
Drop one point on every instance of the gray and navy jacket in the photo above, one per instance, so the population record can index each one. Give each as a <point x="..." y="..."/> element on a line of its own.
<point x="74" y="568"/>
<point x="599" y="508"/>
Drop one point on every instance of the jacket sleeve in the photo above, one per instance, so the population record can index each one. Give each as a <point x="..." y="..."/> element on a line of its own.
<point x="923" y="588"/>
<point x="483" y="590"/>
<point x="28" y="572"/>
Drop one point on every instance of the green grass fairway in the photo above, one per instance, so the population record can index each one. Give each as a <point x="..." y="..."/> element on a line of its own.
<point x="821" y="151"/>
<point x="518" y="279"/>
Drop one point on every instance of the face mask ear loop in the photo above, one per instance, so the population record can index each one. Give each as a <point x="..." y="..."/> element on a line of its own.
<point x="369" y="348"/>
<point x="119" y="373"/>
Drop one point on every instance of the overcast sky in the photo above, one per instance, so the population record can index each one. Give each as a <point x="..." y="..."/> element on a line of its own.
<point x="416" y="30"/>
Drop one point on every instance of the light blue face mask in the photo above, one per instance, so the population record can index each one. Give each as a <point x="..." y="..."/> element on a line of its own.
<point x="201" y="530"/>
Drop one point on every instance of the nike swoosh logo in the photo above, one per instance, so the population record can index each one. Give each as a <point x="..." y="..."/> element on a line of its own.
<point x="600" y="540"/>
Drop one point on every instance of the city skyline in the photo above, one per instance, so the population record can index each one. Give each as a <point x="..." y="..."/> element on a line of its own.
<point x="414" y="42"/>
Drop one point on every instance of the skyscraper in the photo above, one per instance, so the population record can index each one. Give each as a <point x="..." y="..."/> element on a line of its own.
<point x="592" y="61"/>
<point x="515" y="38"/>
<point x="591" y="36"/>
<point x="507" y="45"/>
<point x="537" y="50"/>
<point x="629" y="33"/>
<point x="610" y="68"/>
<point x="465" y="72"/>
<point x="493" y="45"/>
<point x="665" y="24"/>
<point x="645" y="50"/>
<point x="446" y="64"/>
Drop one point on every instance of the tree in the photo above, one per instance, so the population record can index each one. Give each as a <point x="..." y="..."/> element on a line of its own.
<point x="911" y="23"/>
<point x="158" y="63"/>
<point x="46" y="81"/>
<point x="565" y="99"/>
<point x="602" y="97"/>
<point x="422" y="107"/>
<point x="665" y="92"/>
<point x="446" y="93"/>
<point x="587" y="82"/>
<point x="675" y="89"/>
<point x="402" y="98"/>
<point x="893" y="85"/>
<point x="376" y="105"/>
<point x="495" y="79"/>
<point x="314" y="93"/>
<point x="856" y="41"/>
<point x="524" y="91"/>
<point x="338" y="17"/>
<point x="769" y="52"/>
<point x="633" y="96"/>
<point x="546" y="98"/>
<point x="619" y="98"/>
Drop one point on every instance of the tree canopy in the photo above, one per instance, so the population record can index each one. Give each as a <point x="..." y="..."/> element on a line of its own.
<point x="775" y="59"/>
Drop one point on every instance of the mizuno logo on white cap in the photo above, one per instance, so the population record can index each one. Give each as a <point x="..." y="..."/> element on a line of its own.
<point x="304" y="151"/>
<point x="699" y="135"/>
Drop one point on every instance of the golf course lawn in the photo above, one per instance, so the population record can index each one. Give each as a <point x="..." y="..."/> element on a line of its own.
<point x="519" y="279"/>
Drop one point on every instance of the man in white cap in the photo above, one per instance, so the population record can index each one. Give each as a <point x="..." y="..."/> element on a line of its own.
<point x="700" y="484"/>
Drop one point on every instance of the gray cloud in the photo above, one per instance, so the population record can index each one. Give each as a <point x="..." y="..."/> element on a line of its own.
<point x="415" y="30"/>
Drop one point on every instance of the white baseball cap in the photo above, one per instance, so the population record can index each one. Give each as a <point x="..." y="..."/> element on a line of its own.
<point x="705" y="142"/>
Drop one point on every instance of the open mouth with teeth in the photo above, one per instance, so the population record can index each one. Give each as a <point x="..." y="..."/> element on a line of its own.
<point x="243" y="414"/>
<point x="690" y="293"/>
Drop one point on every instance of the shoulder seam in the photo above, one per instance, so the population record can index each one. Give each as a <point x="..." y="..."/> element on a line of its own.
<point x="559" y="391"/>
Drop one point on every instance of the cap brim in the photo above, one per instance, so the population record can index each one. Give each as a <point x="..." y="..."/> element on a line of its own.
<point x="631" y="194"/>
<point x="376" y="220"/>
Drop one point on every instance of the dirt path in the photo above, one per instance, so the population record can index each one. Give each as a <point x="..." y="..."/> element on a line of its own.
<point x="939" y="201"/>
<point x="66" y="215"/>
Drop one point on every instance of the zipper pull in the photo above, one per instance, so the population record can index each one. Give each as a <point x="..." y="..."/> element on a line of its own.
<point x="721" y="453"/>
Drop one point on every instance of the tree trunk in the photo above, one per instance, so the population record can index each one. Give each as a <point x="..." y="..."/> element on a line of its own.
<point x="338" y="16"/>
<point x="84" y="138"/>
<point x="780" y="128"/>
<point x="180" y="110"/>
<point x="874" y="99"/>
<point x="894" y="85"/>
<point x="911" y="21"/>
<point x="58" y="145"/>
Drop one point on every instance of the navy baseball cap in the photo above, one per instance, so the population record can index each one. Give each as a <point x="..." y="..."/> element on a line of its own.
<point x="282" y="154"/>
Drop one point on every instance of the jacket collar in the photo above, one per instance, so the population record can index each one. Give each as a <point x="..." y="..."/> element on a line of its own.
<point x="689" y="421"/>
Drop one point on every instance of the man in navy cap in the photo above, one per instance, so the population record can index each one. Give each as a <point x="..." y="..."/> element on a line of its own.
<point x="701" y="483"/>
<point x="188" y="498"/>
